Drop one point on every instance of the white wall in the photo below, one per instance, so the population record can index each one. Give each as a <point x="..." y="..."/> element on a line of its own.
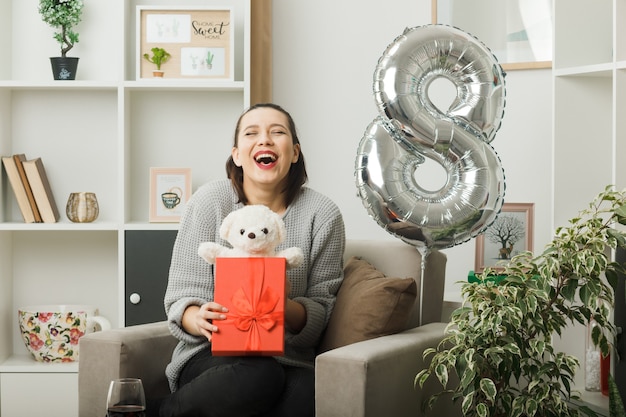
<point x="325" y="53"/>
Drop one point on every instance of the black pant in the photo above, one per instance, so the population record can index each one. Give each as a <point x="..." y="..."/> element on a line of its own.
<point x="241" y="386"/>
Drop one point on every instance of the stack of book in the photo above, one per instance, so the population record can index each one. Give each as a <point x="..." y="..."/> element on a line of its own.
<point x="31" y="187"/>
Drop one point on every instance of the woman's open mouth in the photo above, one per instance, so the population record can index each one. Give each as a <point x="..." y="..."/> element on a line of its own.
<point x="265" y="159"/>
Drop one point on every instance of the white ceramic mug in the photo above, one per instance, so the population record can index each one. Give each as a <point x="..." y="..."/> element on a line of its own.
<point x="95" y="322"/>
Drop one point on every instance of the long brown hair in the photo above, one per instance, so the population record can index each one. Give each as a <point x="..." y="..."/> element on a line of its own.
<point x="297" y="175"/>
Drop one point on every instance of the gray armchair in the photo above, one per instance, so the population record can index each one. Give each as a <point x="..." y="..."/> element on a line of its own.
<point x="368" y="378"/>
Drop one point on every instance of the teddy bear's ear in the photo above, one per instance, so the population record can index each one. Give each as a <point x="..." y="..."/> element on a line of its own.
<point x="280" y="227"/>
<point x="226" y="225"/>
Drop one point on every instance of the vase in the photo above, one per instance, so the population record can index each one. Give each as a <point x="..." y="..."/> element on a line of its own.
<point x="605" y="370"/>
<point x="593" y="357"/>
<point x="82" y="207"/>
<point x="64" y="68"/>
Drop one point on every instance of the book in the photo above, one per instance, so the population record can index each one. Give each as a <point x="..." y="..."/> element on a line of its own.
<point x="18" y="189"/>
<point x="41" y="189"/>
<point x="19" y="163"/>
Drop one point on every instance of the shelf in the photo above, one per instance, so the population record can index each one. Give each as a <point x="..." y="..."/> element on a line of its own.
<point x="100" y="133"/>
<point x="144" y="84"/>
<point x="185" y="85"/>
<point x="151" y="226"/>
<point x="66" y="226"/>
<point x="597" y="70"/>
<point x="589" y="135"/>
<point x="58" y="85"/>
<point x="594" y="400"/>
<point x="63" y="225"/>
<point x="26" y="364"/>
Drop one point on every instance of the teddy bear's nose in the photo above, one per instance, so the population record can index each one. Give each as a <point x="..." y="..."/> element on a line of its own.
<point x="251" y="235"/>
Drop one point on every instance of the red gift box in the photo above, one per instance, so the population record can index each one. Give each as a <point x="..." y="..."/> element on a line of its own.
<point x="253" y="290"/>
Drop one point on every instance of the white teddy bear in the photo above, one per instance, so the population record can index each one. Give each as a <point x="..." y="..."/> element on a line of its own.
<point x="253" y="231"/>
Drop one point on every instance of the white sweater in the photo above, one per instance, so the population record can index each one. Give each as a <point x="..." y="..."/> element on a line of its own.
<point x="314" y="224"/>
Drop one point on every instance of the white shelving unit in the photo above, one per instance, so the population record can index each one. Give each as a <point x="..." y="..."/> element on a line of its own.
<point x="99" y="133"/>
<point x="589" y="127"/>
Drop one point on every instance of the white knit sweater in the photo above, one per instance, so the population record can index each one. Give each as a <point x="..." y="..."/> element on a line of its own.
<point x="314" y="224"/>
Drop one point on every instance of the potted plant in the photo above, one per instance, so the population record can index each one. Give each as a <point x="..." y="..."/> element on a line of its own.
<point x="63" y="16"/>
<point x="159" y="57"/>
<point x="209" y="60"/>
<point x="497" y="358"/>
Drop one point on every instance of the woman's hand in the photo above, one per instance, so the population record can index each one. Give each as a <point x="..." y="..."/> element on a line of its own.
<point x="198" y="320"/>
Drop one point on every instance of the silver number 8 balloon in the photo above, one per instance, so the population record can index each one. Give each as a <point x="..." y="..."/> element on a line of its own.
<point x="410" y="128"/>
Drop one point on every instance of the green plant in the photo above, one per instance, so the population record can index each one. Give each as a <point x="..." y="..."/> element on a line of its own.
<point x="159" y="56"/>
<point x="63" y="15"/>
<point x="209" y="59"/>
<point x="498" y="347"/>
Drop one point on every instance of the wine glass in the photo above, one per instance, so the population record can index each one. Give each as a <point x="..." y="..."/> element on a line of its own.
<point x="126" y="398"/>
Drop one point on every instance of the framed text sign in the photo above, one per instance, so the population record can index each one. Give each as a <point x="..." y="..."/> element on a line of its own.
<point x="200" y="41"/>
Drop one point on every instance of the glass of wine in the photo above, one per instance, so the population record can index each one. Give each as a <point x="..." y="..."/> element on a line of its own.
<point x="126" y="398"/>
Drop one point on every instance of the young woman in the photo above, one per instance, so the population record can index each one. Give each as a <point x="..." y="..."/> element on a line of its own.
<point x="267" y="167"/>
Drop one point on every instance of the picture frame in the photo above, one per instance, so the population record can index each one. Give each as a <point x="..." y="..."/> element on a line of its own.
<point x="200" y="40"/>
<point x="170" y="189"/>
<point x="518" y="32"/>
<point x="495" y="245"/>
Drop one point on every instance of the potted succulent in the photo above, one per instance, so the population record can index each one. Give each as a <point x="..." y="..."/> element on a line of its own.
<point x="497" y="358"/>
<point x="209" y="60"/>
<point x="63" y="16"/>
<point x="159" y="57"/>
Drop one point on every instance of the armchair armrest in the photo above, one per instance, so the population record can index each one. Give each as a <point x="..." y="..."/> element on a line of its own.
<point x="141" y="351"/>
<point x="376" y="377"/>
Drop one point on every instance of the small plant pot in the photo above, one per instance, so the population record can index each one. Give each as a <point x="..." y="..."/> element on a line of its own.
<point x="158" y="73"/>
<point x="64" y="68"/>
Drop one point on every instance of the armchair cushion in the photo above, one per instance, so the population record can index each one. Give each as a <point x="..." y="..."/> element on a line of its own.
<point x="140" y="351"/>
<point x="376" y="377"/>
<point x="369" y="304"/>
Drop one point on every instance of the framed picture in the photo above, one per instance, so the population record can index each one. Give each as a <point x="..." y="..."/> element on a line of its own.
<point x="510" y="234"/>
<point x="170" y="189"/>
<point x="199" y="40"/>
<point x="518" y="32"/>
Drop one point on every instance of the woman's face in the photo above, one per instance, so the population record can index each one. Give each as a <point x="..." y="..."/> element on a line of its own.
<point x="265" y="149"/>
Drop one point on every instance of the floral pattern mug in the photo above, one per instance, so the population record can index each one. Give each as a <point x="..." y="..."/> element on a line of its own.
<point x="51" y="334"/>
